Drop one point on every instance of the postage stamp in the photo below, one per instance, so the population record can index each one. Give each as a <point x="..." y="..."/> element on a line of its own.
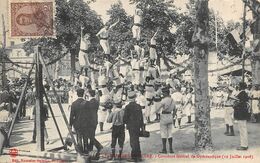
<point x="31" y="18"/>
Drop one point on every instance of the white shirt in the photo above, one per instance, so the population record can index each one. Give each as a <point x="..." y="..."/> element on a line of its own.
<point x="84" y="43"/>
<point x="137" y="18"/>
<point x="135" y="64"/>
<point x="141" y="100"/>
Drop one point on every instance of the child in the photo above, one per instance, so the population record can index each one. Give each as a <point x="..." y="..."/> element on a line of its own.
<point x="118" y="129"/>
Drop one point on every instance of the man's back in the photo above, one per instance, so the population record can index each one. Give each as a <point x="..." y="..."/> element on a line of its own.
<point x="93" y="109"/>
<point x="88" y="114"/>
<point x="133" y="116"/>
<point x="76" y="107"/>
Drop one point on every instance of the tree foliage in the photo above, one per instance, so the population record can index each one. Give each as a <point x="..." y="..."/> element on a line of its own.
<point x="119" y="36"/>
<point x="70" y="16"/>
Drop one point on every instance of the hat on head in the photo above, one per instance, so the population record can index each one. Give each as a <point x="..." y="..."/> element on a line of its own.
<point x="131" y="94"/>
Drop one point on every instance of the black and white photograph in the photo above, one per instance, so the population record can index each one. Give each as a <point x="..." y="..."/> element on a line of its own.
<point x="149" y="81"/>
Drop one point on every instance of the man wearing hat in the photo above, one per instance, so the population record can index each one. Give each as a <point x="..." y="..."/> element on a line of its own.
<point x="167" y="109"/>
<point x="88" y="122"/>
<point x="118" y="129"/>
<point x="241" y="114"/>
<point x="133" y="118"/>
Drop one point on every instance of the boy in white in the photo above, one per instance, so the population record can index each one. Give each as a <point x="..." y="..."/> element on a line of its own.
<point x="103" y="37"/>
<point x="84" y="46"/>
<point x="136" y="29"/>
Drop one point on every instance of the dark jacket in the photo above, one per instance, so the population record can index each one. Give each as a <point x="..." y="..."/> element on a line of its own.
<point x="89" y="114"/>
<point x="241" y="110"/>
<point x="76" y="107"/>
<point x="88" y="118"/>
<point x="133" y="116"/>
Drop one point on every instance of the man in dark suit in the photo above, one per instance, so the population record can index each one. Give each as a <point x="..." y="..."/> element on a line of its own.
<point x="76" y="108"/>
<point x="89" y="121"/>
<point x="133" y="118"/>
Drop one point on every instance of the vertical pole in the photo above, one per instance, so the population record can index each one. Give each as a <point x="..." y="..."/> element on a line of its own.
<point x="39" y="103"/>
<point x="19" y="103"/>
<point x="53" y="116"/>
<point x="244" y="43"/>
<point x="216" y="32"/>
<point x="59" y="103"/>
<point x="4" y="53"/>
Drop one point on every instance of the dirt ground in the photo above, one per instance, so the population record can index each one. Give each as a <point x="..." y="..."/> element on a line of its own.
<point x="183" y="142"/>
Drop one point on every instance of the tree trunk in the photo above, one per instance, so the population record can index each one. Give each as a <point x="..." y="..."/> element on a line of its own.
<point x="200" y="40"/>
<point x="256" y="53"/>
<point x="72" y="63"/>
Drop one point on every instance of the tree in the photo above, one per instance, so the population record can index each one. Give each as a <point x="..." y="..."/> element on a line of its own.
<point x="119" y="36"/>
<point x="70" y="16"/>
<point x="200" y="40"/>
<point x="255" y="59"/>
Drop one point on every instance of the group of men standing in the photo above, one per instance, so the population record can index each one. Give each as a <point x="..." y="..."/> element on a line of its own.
<point x="84" y="119"/>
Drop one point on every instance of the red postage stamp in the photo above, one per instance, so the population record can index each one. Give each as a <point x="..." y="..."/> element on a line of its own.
<point x="31" y="18"/>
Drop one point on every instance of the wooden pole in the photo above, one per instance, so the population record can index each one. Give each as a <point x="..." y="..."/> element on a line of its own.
<point x="39" y="102"/>
<point x="59" y="103"/>
<point x="53" y="116"/>
<point x="19" y="103"/>
<point x="3" y="75"/>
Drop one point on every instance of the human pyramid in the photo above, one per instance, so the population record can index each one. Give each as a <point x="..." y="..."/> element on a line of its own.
<point x="134" y="76"/>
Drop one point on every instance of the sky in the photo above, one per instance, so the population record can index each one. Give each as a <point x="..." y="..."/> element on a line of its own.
<point x="227" y="9"/>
